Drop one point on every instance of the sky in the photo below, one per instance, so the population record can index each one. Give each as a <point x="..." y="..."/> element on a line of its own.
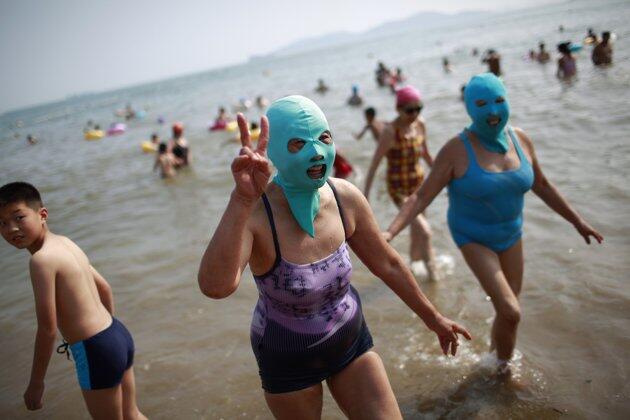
<point x="52" y="49"/>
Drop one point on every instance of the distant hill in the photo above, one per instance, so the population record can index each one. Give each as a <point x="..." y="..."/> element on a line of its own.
<point x="414" y="22"/>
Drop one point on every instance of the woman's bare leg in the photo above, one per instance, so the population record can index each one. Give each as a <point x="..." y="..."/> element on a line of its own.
<point x="362" y="390"/>
<point x="512" y="265"/>
<point x="421" y="247"/>
<point x="486" y="266"/>
<point x="303" y="404"/>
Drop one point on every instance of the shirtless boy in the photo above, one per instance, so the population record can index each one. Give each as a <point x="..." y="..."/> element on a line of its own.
<point x="72" y="296"/>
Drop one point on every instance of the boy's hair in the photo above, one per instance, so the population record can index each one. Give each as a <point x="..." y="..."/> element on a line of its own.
<point x="162" y="148"/>
<point x="154" y="136"/>
<point x="14" y="192"/>
<point x="370" y="112"/>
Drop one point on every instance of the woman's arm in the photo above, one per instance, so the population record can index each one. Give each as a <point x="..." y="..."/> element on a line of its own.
<point x="440" y="175"/>
<point x="384" y="144"/>
<point x="548" y="193"/>
<point x="382" y="260"/>
<point x="230" y="248"/>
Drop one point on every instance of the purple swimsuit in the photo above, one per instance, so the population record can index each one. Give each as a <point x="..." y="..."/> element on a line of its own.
<point x="307" y="324"/>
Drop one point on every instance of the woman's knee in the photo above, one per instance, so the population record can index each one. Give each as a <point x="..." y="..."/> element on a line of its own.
<point x="510" y="312"/>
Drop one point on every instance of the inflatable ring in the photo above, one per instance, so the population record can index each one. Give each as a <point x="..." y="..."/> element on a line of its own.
<point x="231" y="126"/>
<point x="116" y="129"/>
<point x="94" y="134"/>
<point x="253" y="135"/>
<point x="148" y="147"/>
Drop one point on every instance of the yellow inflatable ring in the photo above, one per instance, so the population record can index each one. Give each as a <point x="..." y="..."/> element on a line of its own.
<point x="94" y="134"/>
<point x="148" y="147"/>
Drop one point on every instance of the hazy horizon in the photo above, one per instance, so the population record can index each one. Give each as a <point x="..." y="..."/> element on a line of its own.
<point x="69" y="48"/>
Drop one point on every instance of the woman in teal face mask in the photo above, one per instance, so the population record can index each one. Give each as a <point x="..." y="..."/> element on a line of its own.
<point x="488" y="168"/>
<point x="294" y="233"/>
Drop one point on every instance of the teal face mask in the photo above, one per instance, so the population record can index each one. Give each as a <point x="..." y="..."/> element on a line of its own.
<point x="297" y="117"/>
<point x="488" y="87"/>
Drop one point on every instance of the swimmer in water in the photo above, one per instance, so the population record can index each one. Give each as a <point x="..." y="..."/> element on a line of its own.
<point x="355" y="99"/>
<point x="30" y="139"/>
<point x="602" y="53"/>
<point x="221" y="120"/>
<point x="567" y="67"/>
<point x="395" y="79"/>
<point x="488" y="168"/>
<point x="374" y="125"/>
<point x="543" y="55"/>
<point x="493" y="60"/>
<point x="446" y="65"/>
<point x="404" y="143"/>
<point x="165" y="162"/>
<point x="295" y="233"/>
<point x="382" y="74"/>
<point x="321" y="86"/>
<point x="591" y="37"/>
<point x="262" y="102"/>
<point x="178" y="146"/>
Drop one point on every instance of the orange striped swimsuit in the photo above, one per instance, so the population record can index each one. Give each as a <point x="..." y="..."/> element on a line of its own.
<point x="404" y="173"/>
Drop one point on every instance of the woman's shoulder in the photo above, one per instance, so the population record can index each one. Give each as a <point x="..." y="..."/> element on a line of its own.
<point x="524" y="139"/>
<point x="389" y="128"/>
<point x="346" y="191"/>
<point x="453" y="147"/>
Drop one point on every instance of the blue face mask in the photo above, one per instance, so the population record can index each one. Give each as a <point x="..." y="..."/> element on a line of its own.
<point x="488" y="87"/>
<point x="297" y="117"/>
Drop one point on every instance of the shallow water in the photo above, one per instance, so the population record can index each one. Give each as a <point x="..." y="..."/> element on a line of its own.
<point x="146" y="236"/>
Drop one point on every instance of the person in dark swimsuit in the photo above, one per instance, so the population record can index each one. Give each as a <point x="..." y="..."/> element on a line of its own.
<point x="567" y="68"/>
<point x="294" y="233"/>
<point x="178" y="146"/>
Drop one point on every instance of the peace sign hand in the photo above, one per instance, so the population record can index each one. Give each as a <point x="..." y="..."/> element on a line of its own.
<point x="251" y="169"/>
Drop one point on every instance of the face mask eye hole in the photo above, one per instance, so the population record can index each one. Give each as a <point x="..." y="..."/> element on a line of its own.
<point x="326" y="137"/>
<point x="480" y="102"/>
<point x="295" y="145"/>
<point x="499" y="100"/>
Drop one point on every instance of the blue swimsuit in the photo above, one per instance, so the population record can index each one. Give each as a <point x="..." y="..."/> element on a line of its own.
<point x="487" y="207"/>
<point x="102" y="359"/>
<point x="307" y="324"/>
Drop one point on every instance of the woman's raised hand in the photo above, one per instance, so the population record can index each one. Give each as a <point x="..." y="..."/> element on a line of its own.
<point x="447" y="332"/>
<point x="251" y="168"/>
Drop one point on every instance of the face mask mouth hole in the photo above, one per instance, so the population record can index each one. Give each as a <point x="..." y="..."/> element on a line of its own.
<point x="317" y="171"/>
<point x="493" y="120"/>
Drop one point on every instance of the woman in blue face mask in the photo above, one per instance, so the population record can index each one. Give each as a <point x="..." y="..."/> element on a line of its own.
<point x="488" y="168"/>
<point x="294" y="233"/>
